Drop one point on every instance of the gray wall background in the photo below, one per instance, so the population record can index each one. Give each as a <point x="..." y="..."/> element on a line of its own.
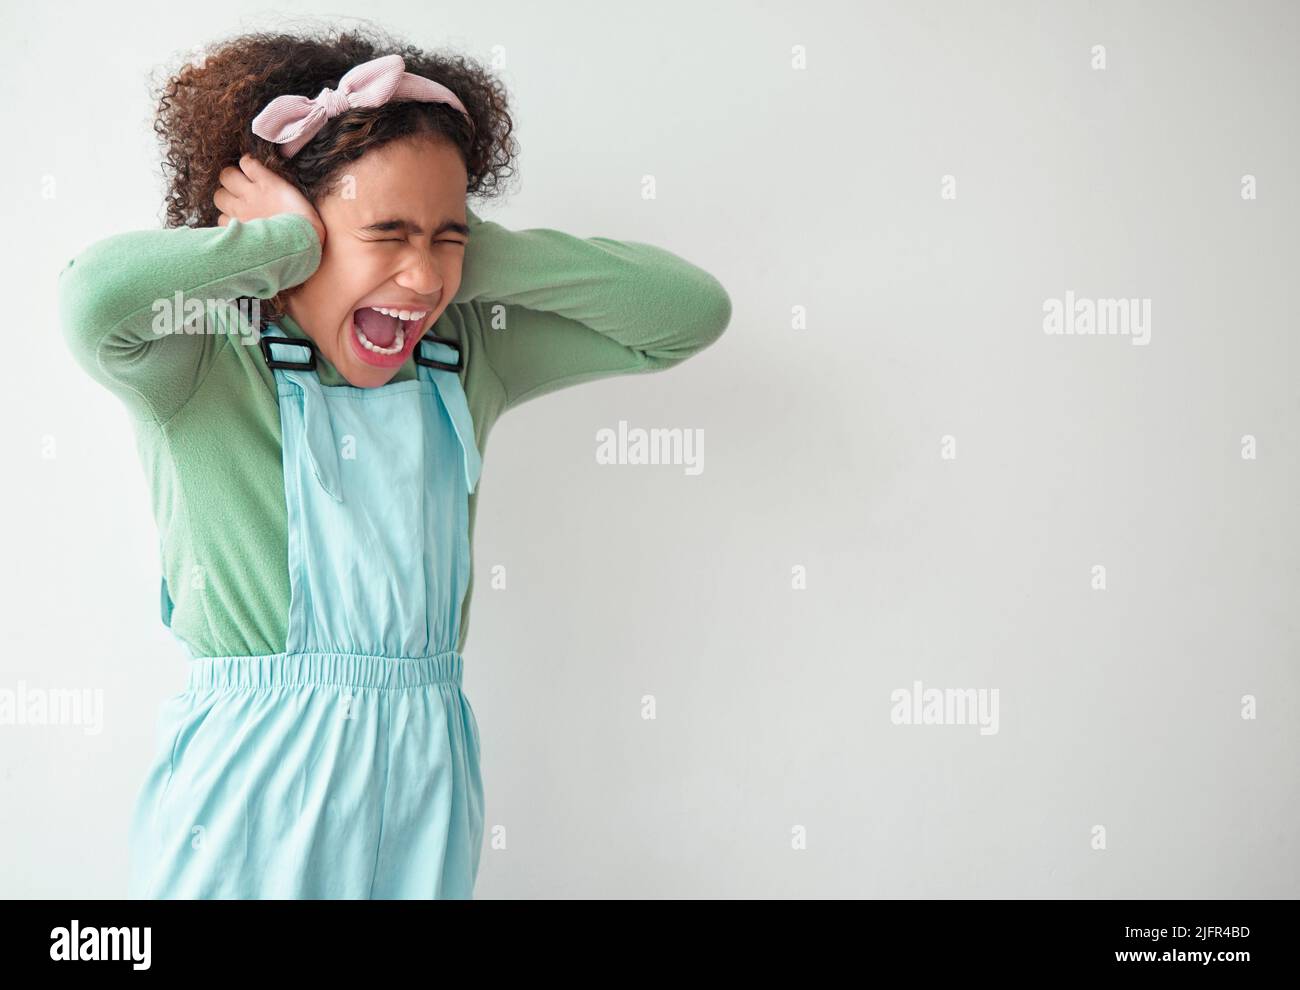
<point x="820" y="188"/>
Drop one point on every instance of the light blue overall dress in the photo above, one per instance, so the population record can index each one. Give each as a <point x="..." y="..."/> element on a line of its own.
<point x="347" y="766"/>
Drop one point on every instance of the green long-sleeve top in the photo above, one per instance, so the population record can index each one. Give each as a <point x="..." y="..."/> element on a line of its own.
<point x="205" y="408"/>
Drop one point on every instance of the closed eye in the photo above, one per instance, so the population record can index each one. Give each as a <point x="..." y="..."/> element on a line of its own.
<point x="399" y="240"/>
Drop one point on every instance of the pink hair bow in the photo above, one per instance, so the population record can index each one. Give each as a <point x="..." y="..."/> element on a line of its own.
<point x="292" y="121"/>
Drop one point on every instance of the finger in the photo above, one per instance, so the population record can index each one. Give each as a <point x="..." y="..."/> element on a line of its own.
<point x="225" y="201"/>
<point x="223" y="220"/>
<point x="234" y="180"/>
<point x="252" y="168"/>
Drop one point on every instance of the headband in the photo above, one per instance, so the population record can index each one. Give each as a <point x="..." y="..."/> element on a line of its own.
<point x="292" y="121"/>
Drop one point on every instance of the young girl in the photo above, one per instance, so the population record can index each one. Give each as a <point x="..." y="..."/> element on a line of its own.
<point x="314" y="473"/>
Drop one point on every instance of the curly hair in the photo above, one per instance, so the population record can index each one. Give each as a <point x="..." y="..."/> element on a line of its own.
<point x="205" y="113"/>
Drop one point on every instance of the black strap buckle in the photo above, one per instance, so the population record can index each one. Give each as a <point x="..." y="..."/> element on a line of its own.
<point x="272" y="362"/>
<point x="429" y="362"/>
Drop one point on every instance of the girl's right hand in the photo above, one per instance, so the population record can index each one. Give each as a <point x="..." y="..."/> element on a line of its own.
<point x="253" y="191"/>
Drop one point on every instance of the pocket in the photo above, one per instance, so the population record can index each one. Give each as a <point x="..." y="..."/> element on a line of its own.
<point x="171" y="723"/>
<point x="168" y="725"/>
<point x="471" y="722"/>
<point x="473" y="758"/>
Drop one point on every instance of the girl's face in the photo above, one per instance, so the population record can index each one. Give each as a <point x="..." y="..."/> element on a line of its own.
<point x="395" y="236"/>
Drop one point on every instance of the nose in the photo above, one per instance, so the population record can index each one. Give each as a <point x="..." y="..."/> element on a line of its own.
<point x="420" y="274"/>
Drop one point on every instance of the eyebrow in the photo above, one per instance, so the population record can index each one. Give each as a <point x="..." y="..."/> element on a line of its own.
<point x="411" y="227"/>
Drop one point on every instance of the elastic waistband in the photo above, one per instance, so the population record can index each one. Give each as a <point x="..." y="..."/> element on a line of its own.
<point x="349" y="669"/>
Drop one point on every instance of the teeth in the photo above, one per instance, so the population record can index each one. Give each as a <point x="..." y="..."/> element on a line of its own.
<point x="402" y="314"/>
<point x="398" y="342"/>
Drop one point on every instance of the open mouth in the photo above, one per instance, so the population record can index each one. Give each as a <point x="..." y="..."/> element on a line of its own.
<point x="386" y="332"/>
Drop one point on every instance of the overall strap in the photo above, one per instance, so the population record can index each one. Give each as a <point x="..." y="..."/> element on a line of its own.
<point x="293" y="359"/>
<point x="439" y="359"/>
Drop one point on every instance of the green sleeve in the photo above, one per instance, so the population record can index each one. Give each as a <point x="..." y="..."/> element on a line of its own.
<point x="556" y="309"/>
<point x="112" y="294"/>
